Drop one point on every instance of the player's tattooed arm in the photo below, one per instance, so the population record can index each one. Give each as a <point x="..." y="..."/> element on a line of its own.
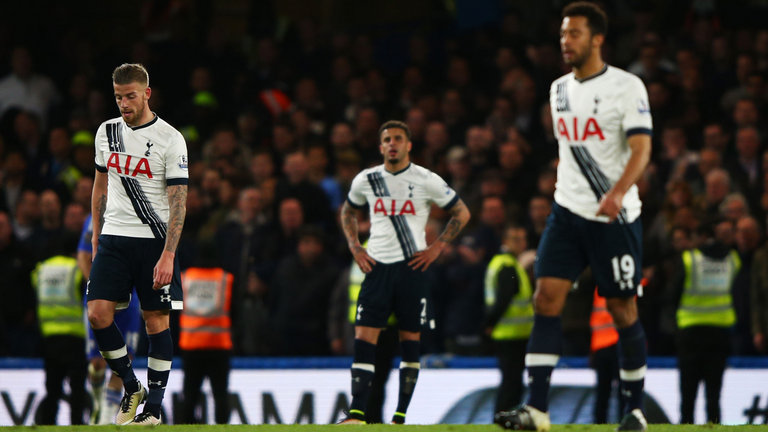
<point x="349" y="226"/>
<point x="102" y="206"/>
<point x="177" y="203"/>
<point x="459" y="217"/>
<point x="98" y="207"/>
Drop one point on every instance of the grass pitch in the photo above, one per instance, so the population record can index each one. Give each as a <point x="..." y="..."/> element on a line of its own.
<point x="376" y="428"/>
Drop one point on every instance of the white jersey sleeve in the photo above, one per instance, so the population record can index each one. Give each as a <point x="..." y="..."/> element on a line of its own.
<point x="636" y="109"/>
<point x="357" y="190"/>
<point x="101" y="137"/>
<point x="439" y="191"/>
<point x="176" y="164"/>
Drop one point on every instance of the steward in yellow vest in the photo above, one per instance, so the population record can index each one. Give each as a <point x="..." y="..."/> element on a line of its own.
<point x="58" y="283"/>
<point x="706" y="297"/>
<point x="705" y="317"/>
<point x="509" y="315"/>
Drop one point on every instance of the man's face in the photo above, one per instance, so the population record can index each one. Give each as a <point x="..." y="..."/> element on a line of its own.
<point x="747" y="143"/>
<point x="250" y="201"/>
<point x="515" y="240"/>
<point x="309" y="249"/>
<point x="576" y="40"/>
<point x="291" y="216"/>
<point x="132" y="99"/>
<point x="493" y="212"/>
<point x="539" y="209"/>
<point x="6" y="229"/>
<point x="395" y="145"/>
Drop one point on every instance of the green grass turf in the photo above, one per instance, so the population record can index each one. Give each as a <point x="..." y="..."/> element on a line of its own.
<point x="373" y="428"/>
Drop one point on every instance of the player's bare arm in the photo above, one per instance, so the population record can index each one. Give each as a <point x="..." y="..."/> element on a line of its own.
<point x="98" y="207"/>
<point x="610" y="203"/>
<point x="349" y="226"/>
<point x="177" y="203"/>
<point x="459" y="217"/>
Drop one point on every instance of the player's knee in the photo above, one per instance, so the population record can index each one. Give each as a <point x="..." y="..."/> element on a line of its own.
<point x="544" y="303"/>
<point x="623" y="311"/>
<point x="156" y="321"/>
<point x="409" y="335"/>
<point x="99" y="317"/>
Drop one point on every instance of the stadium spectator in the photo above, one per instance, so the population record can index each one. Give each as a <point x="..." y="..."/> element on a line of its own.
<point x="705" y="315"/>
<point x="298" y="297"/>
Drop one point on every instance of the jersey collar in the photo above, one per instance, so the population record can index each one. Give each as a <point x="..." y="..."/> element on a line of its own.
<point x="595" y="75"/>
<point x="401" y="171"/>
<point x="147" y="124"/>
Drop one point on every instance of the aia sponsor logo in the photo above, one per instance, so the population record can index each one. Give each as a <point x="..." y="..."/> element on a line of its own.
<point x="394" y="208"/>
<point x="129" y="165"/>
<point x="579" y="131"/>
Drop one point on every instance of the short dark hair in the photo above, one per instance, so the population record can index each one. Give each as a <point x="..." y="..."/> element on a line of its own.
<point x="396" y="124"/>
<point x="597" y="21"/>
<point x="313" y="232"/>
<point x="128" y="73"/>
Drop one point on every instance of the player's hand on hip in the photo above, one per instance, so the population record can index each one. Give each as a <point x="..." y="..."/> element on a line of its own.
<point x="610" y="205"/>
<point x="423" y="259"/>
<point x="363" y="260"/>
<point x="163" y="270"/>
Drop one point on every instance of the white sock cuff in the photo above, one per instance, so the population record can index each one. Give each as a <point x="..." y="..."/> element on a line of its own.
<point x="541" y="359"/>
<point x="412" y="365"/>
<point x="115" y="354"/>
<point x="634" y="374"/>
<point x="364" y="366"/>
<point x="159" y="364"/>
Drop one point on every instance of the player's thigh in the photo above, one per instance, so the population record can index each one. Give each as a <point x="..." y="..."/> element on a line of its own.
<point x="615" y="257"/>
<point x="374" y="304"/>
<point x="410" y="302"/>
<point x="165" y="298"/>
<point x="110" y="277"/>
<point x="561" y="253"/>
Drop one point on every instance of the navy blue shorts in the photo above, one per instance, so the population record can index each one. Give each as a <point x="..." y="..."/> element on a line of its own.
<point x="393" y="288"/>
<point x="126" y="262"/>
<point x="570" y="243"/>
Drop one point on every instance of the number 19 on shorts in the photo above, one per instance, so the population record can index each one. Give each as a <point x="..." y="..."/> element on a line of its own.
<point x="623" y="271"/>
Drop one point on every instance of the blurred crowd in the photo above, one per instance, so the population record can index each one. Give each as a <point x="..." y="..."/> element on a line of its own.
<point x="281" y="116"/>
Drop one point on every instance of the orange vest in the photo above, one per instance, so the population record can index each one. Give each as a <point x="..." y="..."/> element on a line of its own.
<point x="604" y="332"/>
<point x="205" y="322"/>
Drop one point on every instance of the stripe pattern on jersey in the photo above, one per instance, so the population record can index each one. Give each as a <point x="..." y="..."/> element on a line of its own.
<point x="562" y="104"/>
<point x="115" y="137"/>
<point x="404" y="234"/>
<point x="143" y="207"/>
<point x="597" y="180"/>
<point x="141" y="204"/>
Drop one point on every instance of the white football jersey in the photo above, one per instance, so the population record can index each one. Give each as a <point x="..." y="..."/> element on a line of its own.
<point x="592" y="119"/>
<point x="399" y="205"/>
<point x="140" y="163"/>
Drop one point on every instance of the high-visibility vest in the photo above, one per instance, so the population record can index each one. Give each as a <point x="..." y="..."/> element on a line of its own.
<point x="706" y="298"/>
<point x="604" y="332"/>
<point x="205" y="323"/>
<point x="58" y="282"/>
<point x="517" y="321"/>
